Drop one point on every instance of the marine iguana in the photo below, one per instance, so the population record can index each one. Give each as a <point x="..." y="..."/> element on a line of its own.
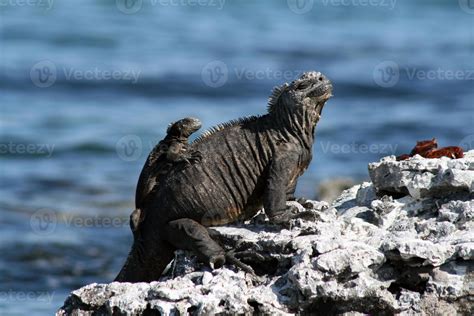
<point x="246" y="164"/>
<point x="169" y="153"/>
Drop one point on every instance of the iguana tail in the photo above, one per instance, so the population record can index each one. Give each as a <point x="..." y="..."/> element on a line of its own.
<point x="145" y="262"/>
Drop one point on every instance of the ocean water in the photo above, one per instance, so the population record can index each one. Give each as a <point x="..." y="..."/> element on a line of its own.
<point x="88" y="87"/>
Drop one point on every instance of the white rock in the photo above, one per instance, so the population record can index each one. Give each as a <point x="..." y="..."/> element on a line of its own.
<point x="366" y="194"/>
<point x="353" y="258"/>
<point x="449" y="281"/>
<point x="465" y="251"/>
<point x="342" y="262"/>
<point x="408" y="299"/>
<point x="421" y="177"/>
<point x="428" y="252"/>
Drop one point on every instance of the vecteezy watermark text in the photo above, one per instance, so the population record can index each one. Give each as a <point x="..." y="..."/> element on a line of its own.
<point x="45" y="221"/>
<point x="304" y="6"/>
<point x="22" y="296"/>
<point x="131" y="147"/>
<point x="219" y="4"/>
<point x="96" y="222"/>
<point x="439" y="74"/>
<point x="387" y="74"/>
<point x="46" y="4"/>
<point x="216" y="73"/>
<point x="44" y="73"/>
<point x="133" y="6"/>
<point x="100" y="74"/>
<point x="355" y="148"/>
<point x="12" y="148"/>
<point x="267" y="73"/>
<point x="361" y="3"/>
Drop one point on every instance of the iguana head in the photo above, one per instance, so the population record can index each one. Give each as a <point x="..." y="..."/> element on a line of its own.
<point x="184" y="127"/>
<point x="304" y="98"/>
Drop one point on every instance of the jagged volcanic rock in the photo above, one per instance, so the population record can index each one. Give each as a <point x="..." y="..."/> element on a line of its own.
<point x="403" y="244"/>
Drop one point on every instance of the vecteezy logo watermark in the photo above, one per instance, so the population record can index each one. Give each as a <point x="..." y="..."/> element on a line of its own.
<point x="467" y="143"/>
<point x="133" y="6"/>
<point x="387" y="74"/>
<point x="467" y="6"/>
<point x="43" y="221"/>
<point x="129" y="6"/>
<point x="46" y="4"/>
<point x="361" y="3"/>
<point x="129" y="148"/>
<point x="215" y="74"/>
<point x="300" y="6"/>
<point x="22" y="296"/>
<point x="44" y="74"/>
<point x="354" y="148"/>
<point x="12" y="148"/>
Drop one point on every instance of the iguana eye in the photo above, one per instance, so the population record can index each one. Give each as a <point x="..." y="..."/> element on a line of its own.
<point x="303" y="85"/>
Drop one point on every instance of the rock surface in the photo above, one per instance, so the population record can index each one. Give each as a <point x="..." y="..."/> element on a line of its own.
<point x="403" y="244"/>
<point x="421" y="177"/>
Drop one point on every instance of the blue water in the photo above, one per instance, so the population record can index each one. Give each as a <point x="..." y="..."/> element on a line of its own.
<point x="73" y="138"/>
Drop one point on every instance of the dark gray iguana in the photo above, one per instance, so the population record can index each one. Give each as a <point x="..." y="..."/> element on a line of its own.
<point x="246" y="164"/>
<point x="171" y="152"/>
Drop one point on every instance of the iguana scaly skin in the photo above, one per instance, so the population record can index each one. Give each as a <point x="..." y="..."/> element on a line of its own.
<point x="171" y="152"/>
<point x="246" y="164"/>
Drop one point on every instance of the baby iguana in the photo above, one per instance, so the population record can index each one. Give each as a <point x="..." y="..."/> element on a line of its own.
<point x="246" y="164"/>
<point x="170" y="153"/>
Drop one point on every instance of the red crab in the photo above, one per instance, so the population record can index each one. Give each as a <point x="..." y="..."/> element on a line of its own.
<point x="429" y="149"/>
<point x="423" y="147"/>
<point x="453" y="152"/>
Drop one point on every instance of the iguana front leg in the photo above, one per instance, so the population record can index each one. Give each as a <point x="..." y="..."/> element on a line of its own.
<point x="276" y="191"/>
<point x="179" y="154"/>
<point x="290" y="195"/>
<point x="190" y="235"/>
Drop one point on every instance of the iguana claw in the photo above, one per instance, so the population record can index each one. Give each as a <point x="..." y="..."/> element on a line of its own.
<point x="217" y="262"/>
<point x="193" y="158"/>
<point x="249" y="254"/>
<point x="300" y="200"/>
<point x="230" y="257"/>
<point x="285" y="218"/>
<point x="196" y="156"/>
